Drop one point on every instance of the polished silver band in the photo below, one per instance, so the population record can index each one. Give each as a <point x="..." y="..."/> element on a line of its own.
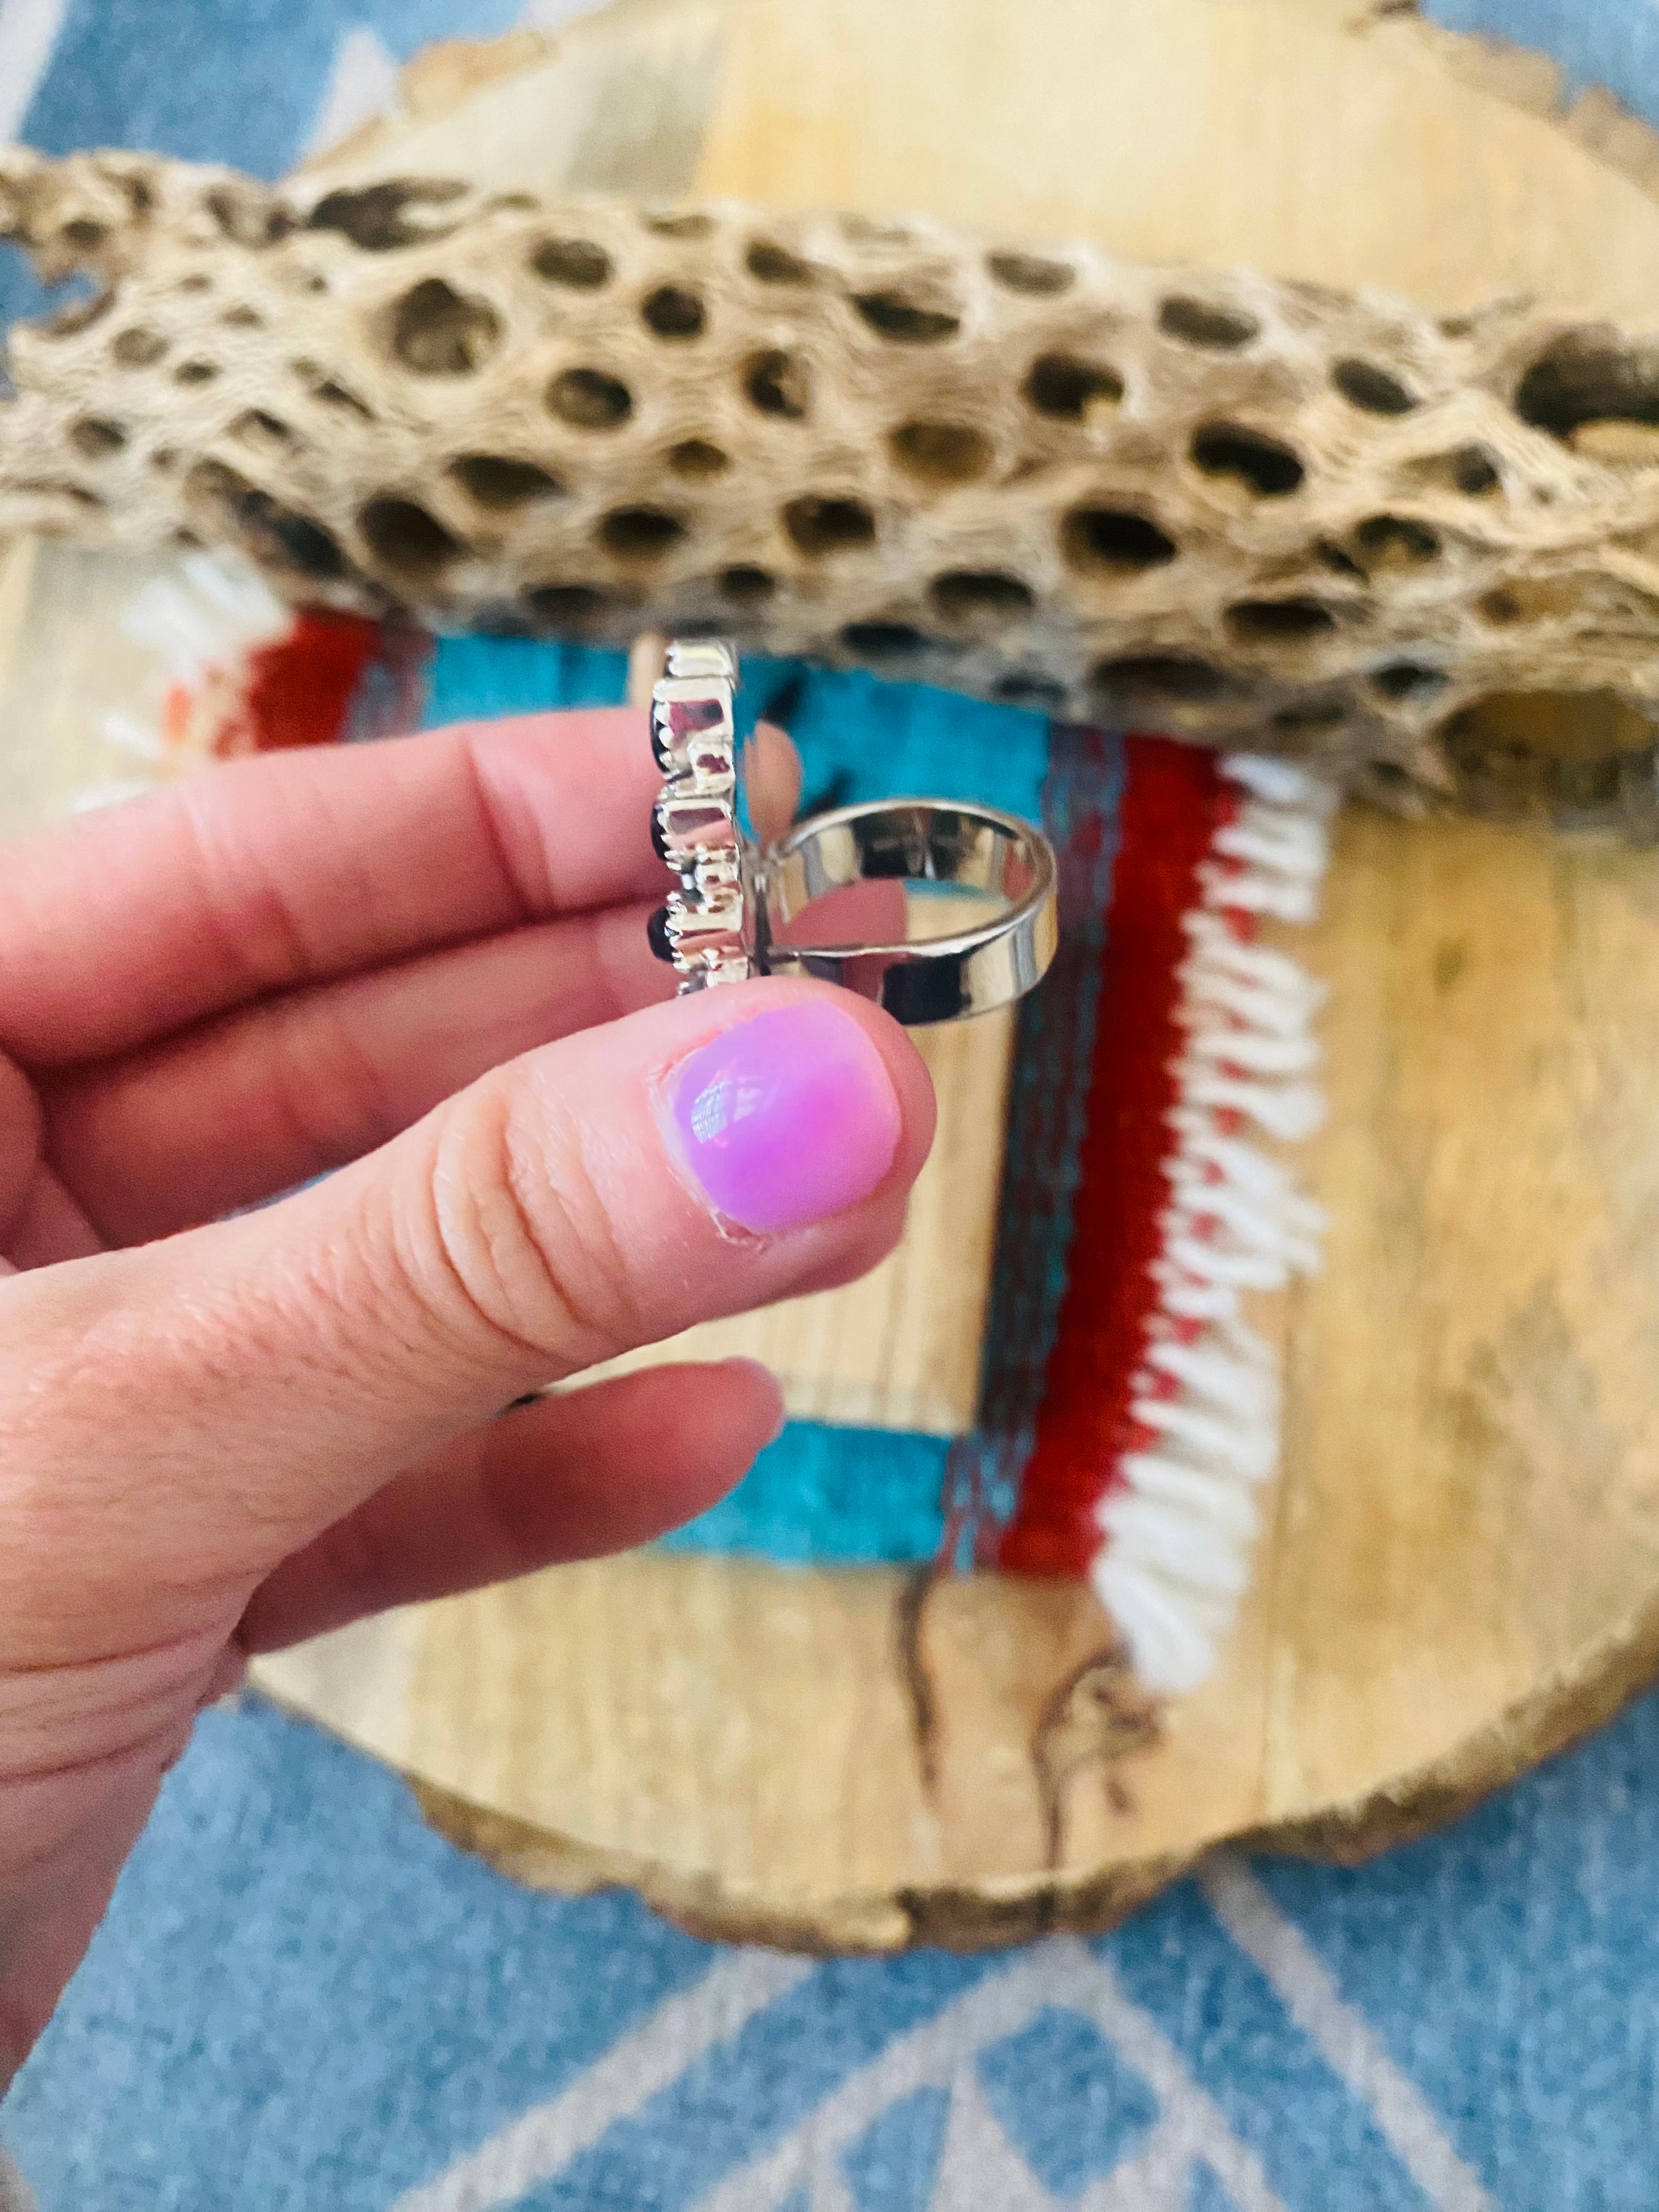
<point x="968" y="849"/>
<point x="737" y="912"/>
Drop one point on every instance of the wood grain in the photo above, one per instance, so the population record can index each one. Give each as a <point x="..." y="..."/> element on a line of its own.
<point x="1462" y="1565"/>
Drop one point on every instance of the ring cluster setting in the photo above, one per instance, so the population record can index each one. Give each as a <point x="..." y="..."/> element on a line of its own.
<point x="694" y="823"/>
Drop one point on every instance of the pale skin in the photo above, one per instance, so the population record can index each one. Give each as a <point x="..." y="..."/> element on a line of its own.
<point x="422" y="965"/>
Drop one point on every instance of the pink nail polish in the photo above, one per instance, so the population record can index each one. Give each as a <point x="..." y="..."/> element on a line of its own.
<point x="786" y="1119"/>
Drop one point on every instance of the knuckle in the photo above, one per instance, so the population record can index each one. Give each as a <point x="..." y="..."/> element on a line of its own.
<point x="526" y="1231"/>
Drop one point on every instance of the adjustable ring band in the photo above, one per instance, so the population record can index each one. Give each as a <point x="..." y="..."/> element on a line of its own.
<point x="737" y="912"/>
<point x="969" y="849"/>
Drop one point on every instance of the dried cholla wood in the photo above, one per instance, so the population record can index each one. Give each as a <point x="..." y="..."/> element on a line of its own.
<point x="1241" y="508"/>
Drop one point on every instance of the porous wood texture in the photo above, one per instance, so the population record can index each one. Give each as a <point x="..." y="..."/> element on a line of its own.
<point x="1463" y="1566"/>
<point x="1263" y="511"/>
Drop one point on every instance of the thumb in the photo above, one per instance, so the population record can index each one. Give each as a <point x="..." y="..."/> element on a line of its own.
<point x="217" y="1398"/>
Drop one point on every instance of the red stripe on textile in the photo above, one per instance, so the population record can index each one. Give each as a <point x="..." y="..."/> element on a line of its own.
<point x="1172" y="803"/>
<point x="300" y="688"/>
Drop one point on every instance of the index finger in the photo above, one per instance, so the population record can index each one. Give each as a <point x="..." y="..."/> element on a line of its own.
<point x="124" y="926"/>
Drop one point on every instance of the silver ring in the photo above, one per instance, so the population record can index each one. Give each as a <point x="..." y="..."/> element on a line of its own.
<point x="739" y="910"/>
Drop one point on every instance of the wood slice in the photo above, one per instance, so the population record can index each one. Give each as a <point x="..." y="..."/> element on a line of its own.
<point x="1462" y="1567"/>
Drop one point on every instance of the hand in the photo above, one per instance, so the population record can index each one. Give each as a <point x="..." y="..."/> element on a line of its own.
<point x="422" y="965"/>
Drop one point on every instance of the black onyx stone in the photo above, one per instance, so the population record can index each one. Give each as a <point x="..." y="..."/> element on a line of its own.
<point x="656" y="932"/>
<point x="658" y="838"/>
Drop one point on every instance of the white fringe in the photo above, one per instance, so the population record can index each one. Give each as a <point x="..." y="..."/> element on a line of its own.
<point x="209" y="613"/>
<point x="1181" y="1519"/>
<point x="200" y="621"/>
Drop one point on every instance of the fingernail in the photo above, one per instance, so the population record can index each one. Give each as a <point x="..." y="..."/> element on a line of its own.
<point x="788" y="1118"/>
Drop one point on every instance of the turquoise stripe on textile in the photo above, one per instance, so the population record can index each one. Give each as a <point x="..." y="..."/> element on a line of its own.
<point x="473" y="679"/>
<point x="854" y="1496"/>
<point x="819" y="1493"/>
<point x="860" y="738"/>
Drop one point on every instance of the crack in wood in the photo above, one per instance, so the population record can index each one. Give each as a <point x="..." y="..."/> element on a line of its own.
<point x="1097" y="1714"/>
<point x="919" y="1695"/>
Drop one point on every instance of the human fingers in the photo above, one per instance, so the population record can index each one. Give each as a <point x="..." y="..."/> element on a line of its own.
<point x="259" y="1100"/>
<point x="575" y="1475"/>
<point x="189" y="1412"/>
<point x="132" y="923"/>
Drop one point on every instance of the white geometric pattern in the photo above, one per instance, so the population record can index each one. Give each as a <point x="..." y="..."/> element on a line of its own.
<point x="361" y="86"/>
<point x="979" y="2165"/>
<point x="1338" y="2032"/>
<point x="542" y="2144"/>
<point x="980" y="2168"/>
<point x="28" y="32"/>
